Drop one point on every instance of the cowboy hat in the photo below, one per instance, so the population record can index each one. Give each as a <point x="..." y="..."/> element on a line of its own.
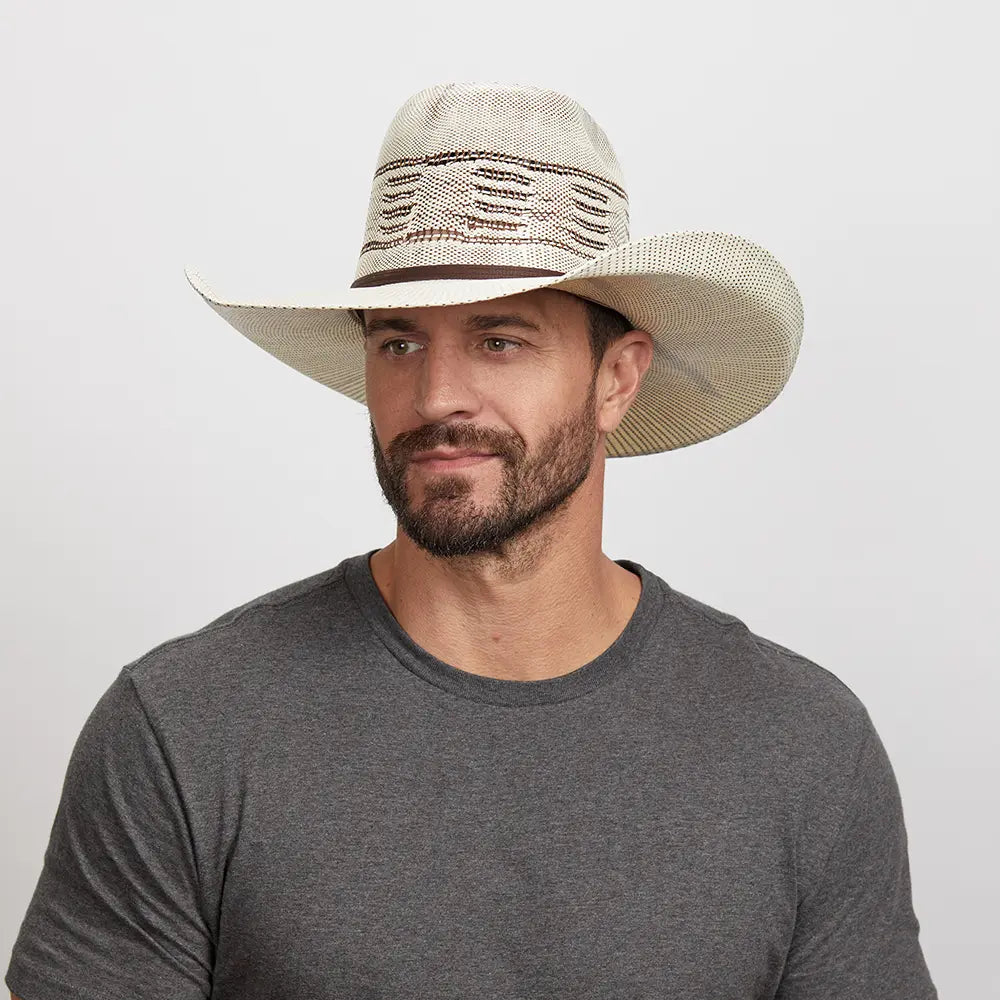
<point x="483" y="191"/>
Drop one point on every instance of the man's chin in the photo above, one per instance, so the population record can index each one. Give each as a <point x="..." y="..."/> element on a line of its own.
<point x="445" y="540"/>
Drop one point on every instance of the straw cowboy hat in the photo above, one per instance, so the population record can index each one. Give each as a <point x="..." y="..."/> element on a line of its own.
<point x="483" y="191"/>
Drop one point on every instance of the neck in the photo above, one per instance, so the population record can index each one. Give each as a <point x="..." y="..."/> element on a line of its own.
<point x="550" y="602"/>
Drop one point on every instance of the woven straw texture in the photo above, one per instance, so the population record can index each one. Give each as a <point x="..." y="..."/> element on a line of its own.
<point x="519" y="176"/>
<point x="485" y="176"/>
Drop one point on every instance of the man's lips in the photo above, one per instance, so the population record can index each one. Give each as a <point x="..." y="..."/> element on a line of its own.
<point x="450" y="459"/>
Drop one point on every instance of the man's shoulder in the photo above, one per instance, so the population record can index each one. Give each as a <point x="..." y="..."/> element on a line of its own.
<point x="244" y="644"/>
<point x="760" y="681"/>
<point x="290" y="598"/>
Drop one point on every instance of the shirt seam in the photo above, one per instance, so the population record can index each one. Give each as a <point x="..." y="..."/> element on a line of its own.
<point x="185" y="810"/>
<point x="768" y="645"/>
<point x="228" y="620"/>
<point x="849" y="804"/>
<point x="329" y="580"/>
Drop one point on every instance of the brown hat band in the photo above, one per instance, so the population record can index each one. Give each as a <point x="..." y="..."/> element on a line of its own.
<point x="427" y="272"/>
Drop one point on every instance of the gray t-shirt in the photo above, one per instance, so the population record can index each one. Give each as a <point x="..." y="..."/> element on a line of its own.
<point x="298" y="801"/>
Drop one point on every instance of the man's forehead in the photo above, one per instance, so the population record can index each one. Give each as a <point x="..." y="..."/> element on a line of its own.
<point x="542" y="307"/>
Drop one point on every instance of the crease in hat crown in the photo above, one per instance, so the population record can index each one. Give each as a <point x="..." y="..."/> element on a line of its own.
<point x="474" y="177"/>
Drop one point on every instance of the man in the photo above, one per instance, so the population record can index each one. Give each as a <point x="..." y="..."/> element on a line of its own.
<point x="486" y="760"/>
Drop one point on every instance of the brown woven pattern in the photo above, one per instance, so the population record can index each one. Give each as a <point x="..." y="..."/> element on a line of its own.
<point x="455" y="212"/>
<point x="493" y="177"/>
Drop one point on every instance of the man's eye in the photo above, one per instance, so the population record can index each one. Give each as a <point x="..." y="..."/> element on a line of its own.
<point x="387" y="346"/>
<point x="490" y="342"/>
<point x="499" y="340"/>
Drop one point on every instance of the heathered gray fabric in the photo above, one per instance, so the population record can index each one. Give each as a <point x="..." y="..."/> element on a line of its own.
<point x="296" y="802"/>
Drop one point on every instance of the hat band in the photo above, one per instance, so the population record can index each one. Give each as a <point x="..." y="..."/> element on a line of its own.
<point x="427" y="272"/>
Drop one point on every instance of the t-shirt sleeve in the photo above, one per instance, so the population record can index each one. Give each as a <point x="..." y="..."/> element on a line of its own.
<point x="856" y="934"/>
<point x="116" y="912"/>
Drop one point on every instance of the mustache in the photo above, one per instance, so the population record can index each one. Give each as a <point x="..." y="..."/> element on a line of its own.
<point x="505" y="444"/>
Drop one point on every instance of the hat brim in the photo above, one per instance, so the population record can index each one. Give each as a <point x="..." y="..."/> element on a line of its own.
<point x="725" y="317"/>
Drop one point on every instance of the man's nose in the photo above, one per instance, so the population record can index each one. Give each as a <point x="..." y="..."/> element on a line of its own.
<point x="445" y="383"/>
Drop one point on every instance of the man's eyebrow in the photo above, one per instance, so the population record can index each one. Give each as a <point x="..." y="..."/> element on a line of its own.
<point x="480" y="321"/>
<point x="392" y="323"/>
<point x="493" y="321"/>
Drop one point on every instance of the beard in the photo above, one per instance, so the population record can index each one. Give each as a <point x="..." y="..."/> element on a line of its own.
<point x="450" y="521"/>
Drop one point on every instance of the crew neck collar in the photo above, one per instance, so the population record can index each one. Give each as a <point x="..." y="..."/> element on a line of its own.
<point x="618" y="657"/>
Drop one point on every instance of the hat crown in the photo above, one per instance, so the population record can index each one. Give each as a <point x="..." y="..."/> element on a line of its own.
<point x="489" y="176"/>
<point x="519" y="121"/>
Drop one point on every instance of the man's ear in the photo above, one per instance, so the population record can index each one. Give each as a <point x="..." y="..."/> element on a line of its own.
<point x="625" y="363"/>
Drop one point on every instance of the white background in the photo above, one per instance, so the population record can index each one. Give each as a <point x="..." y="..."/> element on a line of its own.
<point x="159" y="469"/>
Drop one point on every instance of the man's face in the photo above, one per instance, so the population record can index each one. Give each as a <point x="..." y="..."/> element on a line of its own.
<point x="512" y="378"/>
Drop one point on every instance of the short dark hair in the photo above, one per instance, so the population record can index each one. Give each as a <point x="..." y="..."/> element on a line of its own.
<point x="605" y="326"/>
